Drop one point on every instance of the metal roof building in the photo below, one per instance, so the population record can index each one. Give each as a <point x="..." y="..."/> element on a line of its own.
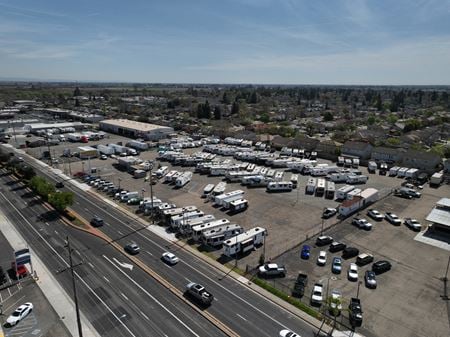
<point x="440" y="215"/>
<point x="134" y="129"/>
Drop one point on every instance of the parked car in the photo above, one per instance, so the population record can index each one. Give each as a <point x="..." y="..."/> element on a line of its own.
<point x="413" y="224"/>
<point x="362" y="223"/>
<point x="335" y="302"/>
<point x="306" y="252"/>
<point x="370" y="279"/>
<point x="132" y="248"/>
<point x="323" y="240"/>
<point x="393" y="219"/>
<point x="2" y="276"/>
<point x="170" y="258"/>
<point x="364" y="259"/>
<point x="355" y="315"/>
<point x="337" y="246"/>
<point x="19" y="314"/>
<point x="380" y="267"/>
<point x="59" y="184"/>
<point x="134" y="201"/>
<point x="336" y="265"/>
<point x="329" y="212"/>
<point x="271" y="269"/>
<point x="374" y="214"/>
<point x="317" y="294"/>
<point x="350" y="252"/>
<point x="300" y="285"/>
<point x="103" y="157"/>
<point x="352" y="273"/>
<point x="322" y="258"/>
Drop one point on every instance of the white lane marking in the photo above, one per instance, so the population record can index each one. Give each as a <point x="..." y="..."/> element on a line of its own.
<point x="149" y="253"/>
<point x="120" y="232"/>
<point x="124" y="296"/>
<point x="67" y="265"/>
<point x="123" y="264"/>
<point x="91" y="265"/>
<point x="56" y="232"/>
<point x="152" y="297"/>
<point x="106" y="279"/>
<point x="145" y="316"/>
<point x="86" y="209"/>
<point x="242" y="317"/>
<point x="47" y="224"/>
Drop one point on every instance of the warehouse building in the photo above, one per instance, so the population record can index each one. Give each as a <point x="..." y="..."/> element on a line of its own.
<point x="440" y="216"/>
<point x="133" y="129"/>
<point x="36" y="127"/>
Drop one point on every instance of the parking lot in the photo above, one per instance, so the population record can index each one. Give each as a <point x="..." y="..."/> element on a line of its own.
<point x="411" y="289"/>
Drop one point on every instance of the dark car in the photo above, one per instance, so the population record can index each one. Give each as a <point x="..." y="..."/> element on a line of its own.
<point x="97" y="221"/>
<point x="132" y="248"/>
<point x="300" y="285"/>
<point x="380" y="267"/>
<point x="306" y="252"/>
<point x="370" y="279"/>
<point x="336" y="265"/>
<point x="59" y="184"/>
<point x="2" y="276"/>
<point x="324" y="240"/>
<point x="349" y="252"/>
<point x="364" y="259"/>
<point x="337" y="247"/>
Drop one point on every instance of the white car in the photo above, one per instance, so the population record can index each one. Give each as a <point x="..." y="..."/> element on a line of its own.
<point x="317" y="294"/>
<point x="362" y="223"/>
<point x="19" y="314"/>
<point x="413" y="224"/>
<point x="170" y="258"/>
<point x="288" y="333"/>
<point x="353" y="272"/>
<point x="393" y="219"/>
<point x="322" y="258"/>
<point x="374" y="214"/>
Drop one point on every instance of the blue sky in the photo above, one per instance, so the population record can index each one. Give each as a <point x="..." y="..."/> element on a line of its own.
<point x="227" y="41"/>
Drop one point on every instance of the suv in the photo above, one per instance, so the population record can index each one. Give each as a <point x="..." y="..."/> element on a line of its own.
<point x="329" y="212"/>
<point x="132" y="248"/>
<point x="362" y="223"/>
<point x="380" y="267"/>
<point x="300" y="285"/>
<point x="337" y="246"/>
<point x="364" y="259"/>
<point x="97" y="221"/>
<point x="324" y="240"/>
<point x="349" y="252"/>
<point x="271" y="269"/>
<point x="393" y="219"/>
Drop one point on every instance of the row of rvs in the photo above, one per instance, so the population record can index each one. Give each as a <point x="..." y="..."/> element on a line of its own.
<point x="320" y="187"/>
<point x="180" y="179"/>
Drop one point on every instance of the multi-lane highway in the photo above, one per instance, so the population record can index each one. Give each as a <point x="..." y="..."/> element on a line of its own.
<point x="134" y="292"/>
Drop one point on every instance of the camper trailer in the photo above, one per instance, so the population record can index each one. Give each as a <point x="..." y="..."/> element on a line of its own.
<point x="357" y="179"/>
<point x="176" y="220"/>
<point x="183" y="179"/>
<point x="320" y="187"/>
<point x="168" y="177"/>
<point x="294" y="180"/>
<point x="244" y="242"/>
<point x="330" y="190"/>
<point x="236" y="206"/>
<point x="208" y="190"/>
<point x="393" y="171"/>
<point x="162" y="171"/>
<point x="279" y="186"/>
<point x="229" y="196"/>
<point x="311" y="186"/>
<point x="342" y="192"/>
<point x="185" y="227"/>
<point x="215" y="237"/>
<point x="219" y="189"/>
<point x="198" y="230"/>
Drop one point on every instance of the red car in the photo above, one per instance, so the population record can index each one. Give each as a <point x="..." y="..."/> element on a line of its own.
<point x="79" y="174"/>
<point x="21" y="270"/>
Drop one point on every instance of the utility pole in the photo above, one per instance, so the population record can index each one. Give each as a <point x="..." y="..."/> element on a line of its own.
<point x="445" y="280"/>
<point x="357" y="292"/>
<point x="151" y="192"/>
<point x="77" y="309"/>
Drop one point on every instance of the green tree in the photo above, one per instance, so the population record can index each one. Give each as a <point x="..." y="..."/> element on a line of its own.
<point x="253" y="99"/>
<point x="235" y="108"/>
<point x="61" y="200"/>
<point x="225" y="98"/>
<point x="328" y="116"/>
<point x="392" y="118"/>
<point x="217" y="112"/>
<point x="371" y="120"/>
<point x="77" y="92"/>
<point x="26" y="171"/>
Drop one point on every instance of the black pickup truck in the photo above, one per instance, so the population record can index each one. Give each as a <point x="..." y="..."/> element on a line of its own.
<point x="300" y="285"/>
<point x="355" y="312"/>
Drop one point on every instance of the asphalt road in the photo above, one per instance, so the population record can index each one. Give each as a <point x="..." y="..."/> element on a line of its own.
<point x="117" y="301"/>
<point x="243" y="310"/>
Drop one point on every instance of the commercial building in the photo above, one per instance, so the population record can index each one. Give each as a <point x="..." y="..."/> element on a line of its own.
<point x="34" y="128"/>
<point x="440" y="216"/>
<point x="75" y="115"/>
<point x="134" y="129"/>
<point x="87" y="152"/>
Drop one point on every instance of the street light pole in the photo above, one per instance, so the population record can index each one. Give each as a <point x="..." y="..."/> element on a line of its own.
<point x="77" y="309"/>
<point x="151" y="192"/>
<point x="119" y="180"/>
<point x="357" y="292"/>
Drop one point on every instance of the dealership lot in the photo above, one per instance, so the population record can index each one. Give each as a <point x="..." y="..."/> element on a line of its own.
<point x="409" y="290"/>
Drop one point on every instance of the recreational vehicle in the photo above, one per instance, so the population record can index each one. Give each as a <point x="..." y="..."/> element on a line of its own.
<point x="311" y="186"/>
<point x="341" y="193"/>
<point x="357" y="179"/>
<point x="237" y="206"/>
<point x="244" y="242"/>
<point x="320" y="187"/>
<point x="330" y="190"/>
<point x="393" y="171"/>
<point x="176" y="220"/>
<point x="294" y="180"/>
<point x="199" y="229"/>
<point x="233" y="195"/>
<point x="183" y="179"/>
<point x="208" y="190"/>
<point x="162" y="171"/>
<point x="168" y="177"/>
<point x="279" y="186"/>
<point x="186" y="226"/>
<point x="215" y="237"/>
<point x="219" y="189"/>
<point x="279" y="175"/>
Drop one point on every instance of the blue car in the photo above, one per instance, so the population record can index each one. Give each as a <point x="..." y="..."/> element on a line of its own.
<point x="306" y="252"/>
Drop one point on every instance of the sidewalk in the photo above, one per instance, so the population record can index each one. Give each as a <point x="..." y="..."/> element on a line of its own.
<point x="51" y="289"/>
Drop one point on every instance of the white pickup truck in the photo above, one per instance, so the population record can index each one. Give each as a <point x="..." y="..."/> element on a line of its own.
<point x="199" y="293"/>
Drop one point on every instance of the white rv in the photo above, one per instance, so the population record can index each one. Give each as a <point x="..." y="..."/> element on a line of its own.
<point x="320" y="187"/>
<point x="244" y="242"/>
<point x="294" y="180"/>
<point x="183" y="179"/>
<point x="215" y="237"/>
<point x="186" y="226"/>
<point x="199" y="229"/>
<point x="168" y="213"/>
<point x="168" y="177"/>
<point x="357" y="179"/>
<point x="393" y="171"/>
<point x="238" y="205"/>
<point x="279" y="186"/>
<point x="229" y="196"/>
<point x="162" y="171"/>
<point x="279" y="175"/>
<point x="330" y="190"/>
<point x="176" y="220"/>
<point x="208" y="190"/>
<point x="341" y="193"/>
<point x="219" y="189"/>
<point x="311" y="186"/>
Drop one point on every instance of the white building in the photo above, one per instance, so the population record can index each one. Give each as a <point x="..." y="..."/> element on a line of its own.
<point x="440" y="215"/>
<point x="134" y="129"/>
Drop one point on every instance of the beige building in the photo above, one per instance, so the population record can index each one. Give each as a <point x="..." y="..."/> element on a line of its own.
<point x="134" y="129"/>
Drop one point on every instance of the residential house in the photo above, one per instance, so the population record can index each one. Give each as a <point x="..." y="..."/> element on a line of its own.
<point x="362" y="150"/>
<point x="421" y="160"/>
<point x="387" y="154"/>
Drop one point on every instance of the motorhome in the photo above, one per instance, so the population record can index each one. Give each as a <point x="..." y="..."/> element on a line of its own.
<point x="185" y="227"/>
<point x="183" y="179"/>
<point x="357" y="179"/>
<point x="208" y="190"/>
<point x="215" y="237"/>
<point x="219" y="189"/>
<point x="162" y="171"/>
<point x="402" y="172"/>
<point x="330" y="190"/>
<point x="257" y="181"/>
<point x="244" y="242"/>
<point x="236" y="206"/>
<point x="270" y="173"/>
<point x="279" y="186"/>
<point x="233" y="195"/>
<point x="412" y="173"/>
<point x="342" y="192"/>
<point x="348" y="162"/>
<point x="176" y="220"/>
<point x="294" y="180"/>
<point x="356" y="192"/>
<point x="168" y="177"/>
<point x="372" y="167"/>
<point x="355" y="162"/>
<point x="128" y="196"/>
<point x="320" y="187"/>
<point x="199" y="229"/>
<point x="340" y="161"/>
<point x="311" y="186"/>
<point x="167" y="214"/>
<point x="279" y="175"/>
<point x="393" y="171"/>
